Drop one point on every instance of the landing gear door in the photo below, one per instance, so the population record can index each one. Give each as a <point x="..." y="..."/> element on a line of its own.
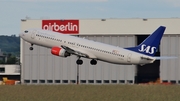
<point x="129" y="57"/>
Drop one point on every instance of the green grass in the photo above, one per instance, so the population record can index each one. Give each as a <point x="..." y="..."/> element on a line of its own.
<point x="90" y="93"/>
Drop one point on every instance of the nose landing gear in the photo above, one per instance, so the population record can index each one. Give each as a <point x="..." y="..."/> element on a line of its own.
<point x="31" y="48"/>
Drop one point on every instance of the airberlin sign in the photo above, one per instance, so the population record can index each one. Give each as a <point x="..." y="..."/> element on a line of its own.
<point x="61" y="26"/>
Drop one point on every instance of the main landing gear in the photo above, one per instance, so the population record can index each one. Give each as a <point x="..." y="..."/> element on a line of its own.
<point x="80" y="62"/>
<point x="93" y="62"/>
<point x="31" y="48"/>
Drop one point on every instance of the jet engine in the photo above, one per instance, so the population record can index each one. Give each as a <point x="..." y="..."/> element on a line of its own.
<point x="59" y="52"/>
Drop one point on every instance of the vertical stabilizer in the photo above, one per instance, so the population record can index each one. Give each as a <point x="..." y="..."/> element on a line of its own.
<point x="150" y="44"/>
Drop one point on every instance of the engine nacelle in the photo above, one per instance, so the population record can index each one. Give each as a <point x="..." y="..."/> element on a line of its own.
<point x="59" y="52"/>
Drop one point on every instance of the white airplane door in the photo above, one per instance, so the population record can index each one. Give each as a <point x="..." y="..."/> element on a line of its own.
<point x="75" y="44"/>
<point x="33" y="35"/>
<point x="129" y="57"/>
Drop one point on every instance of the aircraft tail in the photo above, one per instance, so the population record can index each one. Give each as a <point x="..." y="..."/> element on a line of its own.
<point x="150" y="44"/>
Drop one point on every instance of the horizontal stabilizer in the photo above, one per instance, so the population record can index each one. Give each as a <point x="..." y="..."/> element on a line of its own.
<point x="147" y="58"/>
<point x="165" y="57"/>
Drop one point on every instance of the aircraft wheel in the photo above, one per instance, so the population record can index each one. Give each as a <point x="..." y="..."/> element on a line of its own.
<point x="93" y="62"/>
<point x="30" y="48"/>
<point x="79" y="62"/>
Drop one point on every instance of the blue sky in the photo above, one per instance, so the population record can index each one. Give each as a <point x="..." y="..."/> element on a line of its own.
<point x="12" y="11"/>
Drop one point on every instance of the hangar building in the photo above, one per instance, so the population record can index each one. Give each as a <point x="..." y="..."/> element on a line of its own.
<point x="41" y="67"/>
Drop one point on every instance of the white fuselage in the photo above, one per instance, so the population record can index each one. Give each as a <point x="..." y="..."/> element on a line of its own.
<point x="95" y="50"/>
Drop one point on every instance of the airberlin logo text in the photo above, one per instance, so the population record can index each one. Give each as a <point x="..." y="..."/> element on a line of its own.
<point x="62" y="26"/>
<point x="56" y="27"/>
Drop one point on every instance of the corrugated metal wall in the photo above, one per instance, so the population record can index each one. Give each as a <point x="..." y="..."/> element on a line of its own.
<point x="170" y="69"/>
<point x="41" y="67"/>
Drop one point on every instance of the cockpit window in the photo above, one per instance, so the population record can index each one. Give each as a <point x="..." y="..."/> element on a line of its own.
<point x="26" y="31"/>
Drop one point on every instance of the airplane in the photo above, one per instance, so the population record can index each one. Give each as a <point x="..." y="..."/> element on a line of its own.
<point x="64" y="45"/>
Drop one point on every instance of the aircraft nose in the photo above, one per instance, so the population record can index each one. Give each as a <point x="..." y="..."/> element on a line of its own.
<point x="21" y="34"/>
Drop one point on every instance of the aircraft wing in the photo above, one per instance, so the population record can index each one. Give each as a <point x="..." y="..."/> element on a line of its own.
<point x="75" y="52"/>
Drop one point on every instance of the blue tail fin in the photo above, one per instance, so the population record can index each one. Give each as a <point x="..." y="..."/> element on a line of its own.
<point x="150" y="44"/>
